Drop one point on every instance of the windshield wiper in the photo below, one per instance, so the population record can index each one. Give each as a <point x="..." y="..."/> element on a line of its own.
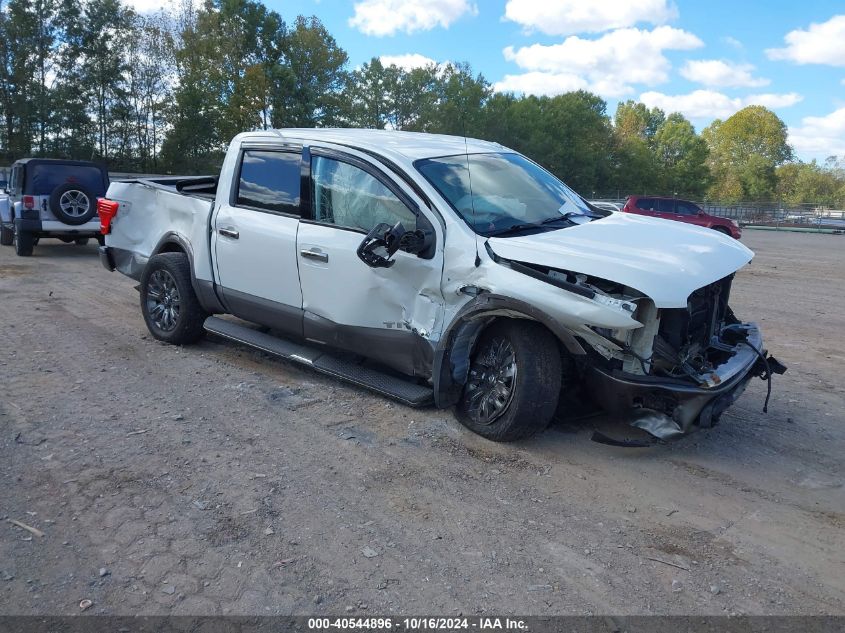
<point x="513" y="228"/>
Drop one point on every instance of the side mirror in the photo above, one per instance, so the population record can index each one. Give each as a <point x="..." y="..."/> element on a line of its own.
<point x="380" y="245"/>
<point x="384" y="240"/>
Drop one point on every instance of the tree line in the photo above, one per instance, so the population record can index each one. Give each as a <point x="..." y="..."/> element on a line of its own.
<point x="165" y="92"/>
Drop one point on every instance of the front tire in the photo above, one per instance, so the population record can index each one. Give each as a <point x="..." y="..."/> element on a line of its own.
<point x="514" y="382"/>
<point x="170" y="307"/>
<point x="722" y="230"/>
<point x="24" y="242"/>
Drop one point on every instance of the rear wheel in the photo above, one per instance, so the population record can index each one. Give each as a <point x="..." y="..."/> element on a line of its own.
<point x="168" y="302"/>
<point x="7" y="235"/>
<point x="24" y="243"/>
<point x="80" y="241"/>
<point x="722" y="230"/>
<point x="514" y="382"/>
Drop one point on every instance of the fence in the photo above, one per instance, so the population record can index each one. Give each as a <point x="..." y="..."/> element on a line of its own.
<point x="772" y="215"/>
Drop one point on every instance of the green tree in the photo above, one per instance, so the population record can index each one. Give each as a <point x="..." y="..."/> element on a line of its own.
<point x="636" y="120"/>
<point x="314" y="75"/>
<point x="682" y="157"/>
<point x="746" y="149"/>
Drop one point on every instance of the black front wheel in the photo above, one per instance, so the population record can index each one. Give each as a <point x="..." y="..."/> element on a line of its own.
<point x="168" y="302"/>
<point x="514" y="381"/>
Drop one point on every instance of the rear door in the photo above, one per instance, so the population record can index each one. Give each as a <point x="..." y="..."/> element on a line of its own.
<point x="381" y="313"/>
<point x="254" y="238"/>
<point x="666" y="209"/>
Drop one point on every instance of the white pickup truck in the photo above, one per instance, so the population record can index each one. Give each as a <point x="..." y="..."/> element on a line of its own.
<point x="440" y="269"/>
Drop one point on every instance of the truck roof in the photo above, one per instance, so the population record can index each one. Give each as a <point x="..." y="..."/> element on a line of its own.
<point x="410" y="145"/>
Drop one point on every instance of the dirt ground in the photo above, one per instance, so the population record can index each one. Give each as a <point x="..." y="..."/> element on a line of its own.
<point x="216" y="480"/>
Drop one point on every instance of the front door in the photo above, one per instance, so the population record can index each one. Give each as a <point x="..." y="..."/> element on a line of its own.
<point x="382" y="313"/>
<point x="254" y="240"/>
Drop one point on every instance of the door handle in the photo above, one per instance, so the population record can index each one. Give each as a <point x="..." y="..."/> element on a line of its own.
<point x="229" y="232"/>
<point x="313" y="254"/>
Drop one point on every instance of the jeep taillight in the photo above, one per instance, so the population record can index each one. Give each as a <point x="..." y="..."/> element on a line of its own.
<point x="106" y="209"/>
<point x="29" y="202"/>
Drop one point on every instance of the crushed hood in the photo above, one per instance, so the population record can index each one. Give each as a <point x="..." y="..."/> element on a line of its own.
<point x="664" y="259"/>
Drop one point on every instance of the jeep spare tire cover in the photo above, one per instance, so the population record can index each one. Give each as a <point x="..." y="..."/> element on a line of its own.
<point x="72" y="204"/>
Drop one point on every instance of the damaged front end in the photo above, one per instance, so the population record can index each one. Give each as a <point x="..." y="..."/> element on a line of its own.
<point x="683" y="368"/>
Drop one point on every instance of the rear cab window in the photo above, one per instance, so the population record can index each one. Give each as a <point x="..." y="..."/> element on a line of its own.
<point x="269" y="180"/>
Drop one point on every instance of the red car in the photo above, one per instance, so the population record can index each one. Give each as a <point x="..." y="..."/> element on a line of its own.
<point x="681" y="211"/>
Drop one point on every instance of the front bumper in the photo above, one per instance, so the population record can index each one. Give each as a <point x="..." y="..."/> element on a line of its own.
<point x="669" y="408"/>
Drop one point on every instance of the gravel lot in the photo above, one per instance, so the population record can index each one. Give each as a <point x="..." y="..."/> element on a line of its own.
<point x="217" y="480"/>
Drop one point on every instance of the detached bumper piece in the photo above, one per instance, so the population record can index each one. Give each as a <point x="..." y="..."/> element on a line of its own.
<point x="668" y="408"/>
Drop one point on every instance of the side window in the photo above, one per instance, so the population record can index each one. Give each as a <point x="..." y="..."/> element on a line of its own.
<point x="645" y="204"/>
<point x="270" y="180"/>
<point x="14" y="181"/>
<point x="348" y="196"/>
<point x="687" y="208"/>
<point x="666" y="206"/>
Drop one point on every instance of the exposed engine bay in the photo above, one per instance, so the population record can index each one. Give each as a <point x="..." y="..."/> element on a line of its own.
<point x="682" y="368"/>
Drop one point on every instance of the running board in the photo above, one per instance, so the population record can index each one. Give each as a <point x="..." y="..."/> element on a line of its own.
<point x="405" y="391"/>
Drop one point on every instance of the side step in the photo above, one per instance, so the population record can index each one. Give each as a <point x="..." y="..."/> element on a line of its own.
<point x="405" y="391"/>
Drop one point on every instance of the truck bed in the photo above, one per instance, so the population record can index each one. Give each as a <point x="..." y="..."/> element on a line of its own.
<point x="195" y="186"/>
<point x="155" y="209"/>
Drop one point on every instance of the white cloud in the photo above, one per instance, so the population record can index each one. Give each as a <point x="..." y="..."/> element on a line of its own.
<point x="537" y="83"/>
<point x="732" y="42"/>
<point x="820" y="44"/>
<point x="820" y="136"/>
<point x="407" y="62"/>
<point x="716" y="73"/>
<point x="387" y="17"/>
<point x="565" y="17"/>
<point x="709" y="104"/>
<point x="608" y="65"/>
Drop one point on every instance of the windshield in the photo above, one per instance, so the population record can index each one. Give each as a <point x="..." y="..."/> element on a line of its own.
<point x="500" y="193"/>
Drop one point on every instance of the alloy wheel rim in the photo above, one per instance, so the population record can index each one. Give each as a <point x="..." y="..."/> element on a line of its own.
<point x="74" y="203"/>
<point x="491" y="382"/>
<point x="163" y="300"/>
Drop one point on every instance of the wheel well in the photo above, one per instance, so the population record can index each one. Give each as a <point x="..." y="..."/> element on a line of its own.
<point x="466" y="339"/>
<point x="171" y="247"/>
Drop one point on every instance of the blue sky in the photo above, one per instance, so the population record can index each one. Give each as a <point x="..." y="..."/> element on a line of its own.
<point x="705" y="59"/>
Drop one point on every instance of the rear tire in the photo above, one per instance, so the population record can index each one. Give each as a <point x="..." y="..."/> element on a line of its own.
<point x="80" y="241"/>
<point x="24" y="242"/>
<point x="7" y="236"/>
<point x="514" y="382"/>
<point x="722" y="230"/>
<point x="171" y="310"/>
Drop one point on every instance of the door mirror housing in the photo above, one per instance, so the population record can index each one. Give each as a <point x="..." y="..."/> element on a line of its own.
<point x="383" y="241"/>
